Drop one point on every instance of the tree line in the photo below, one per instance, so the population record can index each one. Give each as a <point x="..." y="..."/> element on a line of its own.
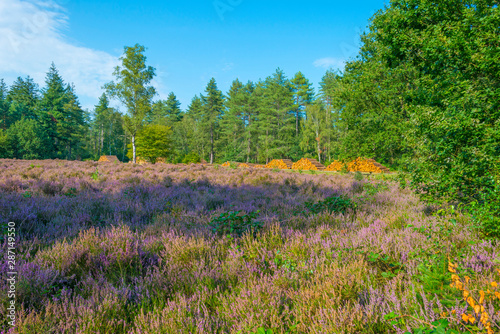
<point x="253" y="122"/>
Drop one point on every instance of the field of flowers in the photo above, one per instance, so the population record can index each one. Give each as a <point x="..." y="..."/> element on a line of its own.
<point x="122" y="248"/>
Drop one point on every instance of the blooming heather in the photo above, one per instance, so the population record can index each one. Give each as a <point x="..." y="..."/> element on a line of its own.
<point x="123" y="248"/>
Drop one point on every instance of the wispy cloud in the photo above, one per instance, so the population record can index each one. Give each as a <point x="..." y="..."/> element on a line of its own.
<point x="329" y="62"/>
<point x="31" y="38"/>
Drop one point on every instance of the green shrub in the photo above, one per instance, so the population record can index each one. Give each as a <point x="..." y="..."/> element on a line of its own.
<point x="358" y="176"/>
<point x="486" y="212"/>
<point x="234" y="223"/>
<point x="331" y="204"/>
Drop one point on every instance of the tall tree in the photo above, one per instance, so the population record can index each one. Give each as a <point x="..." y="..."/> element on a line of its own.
<point x="51" y="112"/>
<point x="25" y="95"/>
<point x="193" y="124"/>
<point x="166" y="112"/>
<point x="303" y="96"/>
<point x="315" y="128"/>
<point x="276" y="121"/>
<point x="133" y="89"/>
<point x="153" y="142"/>
<point x="174" y="111"/>
<point x="454" y="106"/>
<point x="213" y="103"/>
<point x="232" y="123"/>
<point x="74" y="125"/>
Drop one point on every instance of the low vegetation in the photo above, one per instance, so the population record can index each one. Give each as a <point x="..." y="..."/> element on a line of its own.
<point x="123" y="248"/>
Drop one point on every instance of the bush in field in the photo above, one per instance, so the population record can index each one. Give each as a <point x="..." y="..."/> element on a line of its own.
<point x="358" y="176"/>
<point x="191" y="158"/>
<point x="331" y="204"/>
<point x="235" y="223"/>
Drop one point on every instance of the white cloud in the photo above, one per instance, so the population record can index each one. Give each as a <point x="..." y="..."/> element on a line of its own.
<point x="31" y="38"/>
<point x="329" y="62"/>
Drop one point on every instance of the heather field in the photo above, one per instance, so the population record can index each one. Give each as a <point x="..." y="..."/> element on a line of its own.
<point x="123" y="248"/>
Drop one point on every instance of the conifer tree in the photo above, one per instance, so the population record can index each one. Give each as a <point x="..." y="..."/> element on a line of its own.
<point x="25" y="95"/>
<point x="303" y="96"/>
<point x="213" y="104"/>
<point x="51" y="112"/>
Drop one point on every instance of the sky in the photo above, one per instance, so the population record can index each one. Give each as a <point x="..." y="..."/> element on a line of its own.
<point x="188" y="42"/>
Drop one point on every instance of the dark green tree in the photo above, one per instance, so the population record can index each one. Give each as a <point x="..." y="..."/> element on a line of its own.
<point x="303" y="96"/>
<point x="51" y="113"/>
<point x="25" y="95"/>
<point x="213" y="104"/>
<point x="276" y="122"/>
<point x="28" y="140"/>
<point x="232" y="123"/>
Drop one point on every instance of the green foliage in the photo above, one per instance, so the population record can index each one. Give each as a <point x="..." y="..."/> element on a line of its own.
<point x="96" y="175"/>
<point x="133" y="89"/>
<point x="191" y="158"/>
<point x="486" y="212"/>
<point x="454" y="97"/>
<point x="358" y="176"/>
<point x="27" y="139"/>
<point x="235" y="223"/>
<point x="213" y="104"/>
<point x="333" y="204"/>
<point x="153" y="142"/>
<point x="371" y="189"/>
<point x="436" y="327"/>
<point x="283" y="261"/>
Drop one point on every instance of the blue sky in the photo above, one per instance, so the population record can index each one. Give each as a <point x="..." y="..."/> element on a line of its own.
<point x="188" y="42"/>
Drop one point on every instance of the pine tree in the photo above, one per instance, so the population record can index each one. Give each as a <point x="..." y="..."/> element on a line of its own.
<point x="276" y="123"/>
<point x="101" y="116"/>
<point x="303" y="96"/>
<point x="74" y="127"/>
<point x="174" y="112"/>
<point x="196" y="135"/>
<point x="314" y="129"/>
<point x="25" y="94"/>
<point x="232" y="123"/>
<point x="213" y="104"/>
<point x="51" y="112"/>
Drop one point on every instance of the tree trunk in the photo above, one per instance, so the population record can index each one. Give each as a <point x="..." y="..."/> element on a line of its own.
<point x="297" y="118"/>
<point x="133" y="149"/>
<point x="124" y="146"/>
<point x="101" y="149"/>
<point x="318" y="146"/>
<point x="211" y="144"/>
